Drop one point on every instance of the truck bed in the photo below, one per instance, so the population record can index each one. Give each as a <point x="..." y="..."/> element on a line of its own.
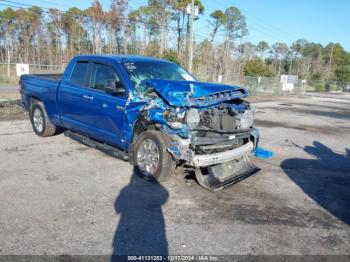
<point x="42" y="87"/>
<point x="56" y="77"/>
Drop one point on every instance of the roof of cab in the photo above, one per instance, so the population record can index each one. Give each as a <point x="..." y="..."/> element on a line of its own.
<point x="123" y="58"/>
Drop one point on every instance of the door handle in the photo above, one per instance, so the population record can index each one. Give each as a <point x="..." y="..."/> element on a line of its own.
<point x="87" y="97"/>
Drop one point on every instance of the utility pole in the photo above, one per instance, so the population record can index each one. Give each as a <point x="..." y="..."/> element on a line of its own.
<point x="190" y="42"/>
<point x="330" y="62"/>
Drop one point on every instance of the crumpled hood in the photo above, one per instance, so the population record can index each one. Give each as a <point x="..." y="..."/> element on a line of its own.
<point x="193" y="93"/>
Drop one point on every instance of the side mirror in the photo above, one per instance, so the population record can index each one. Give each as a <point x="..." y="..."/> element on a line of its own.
<point x="115" y="88"/>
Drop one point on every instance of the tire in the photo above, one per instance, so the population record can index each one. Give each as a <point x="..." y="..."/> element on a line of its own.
<point x="40" y="121"/>
<point x="166" y="165"/>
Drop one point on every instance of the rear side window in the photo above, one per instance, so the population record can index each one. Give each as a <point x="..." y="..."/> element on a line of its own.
<point x="79" y="73"/>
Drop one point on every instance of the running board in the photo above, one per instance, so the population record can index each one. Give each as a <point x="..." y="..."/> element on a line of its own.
<point x="110" y="150"/>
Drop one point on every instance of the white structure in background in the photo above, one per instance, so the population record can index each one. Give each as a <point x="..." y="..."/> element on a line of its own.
<point x="22" y="69"/>
<point x="219" y="78"/>
<point x="196" y="10"/>
<point x="288" y="82"/>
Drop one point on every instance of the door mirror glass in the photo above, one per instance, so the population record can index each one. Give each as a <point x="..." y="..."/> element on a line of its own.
<point x="115" y="88"/>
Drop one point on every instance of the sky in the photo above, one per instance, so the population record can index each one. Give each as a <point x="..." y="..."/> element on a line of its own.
<point x="320" y="21"/>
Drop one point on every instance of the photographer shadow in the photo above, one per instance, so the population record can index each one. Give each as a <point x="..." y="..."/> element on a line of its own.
<point x="141" y="228"/>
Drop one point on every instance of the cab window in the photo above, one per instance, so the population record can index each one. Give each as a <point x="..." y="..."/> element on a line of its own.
<point x="103" y="76"/>
<point x="80" y="73"/>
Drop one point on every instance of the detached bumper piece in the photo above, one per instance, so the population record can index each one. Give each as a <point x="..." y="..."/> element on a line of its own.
<point x="220" y="176"/>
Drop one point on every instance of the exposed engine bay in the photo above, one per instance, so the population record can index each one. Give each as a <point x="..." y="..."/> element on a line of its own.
<point x="223" y="118"/>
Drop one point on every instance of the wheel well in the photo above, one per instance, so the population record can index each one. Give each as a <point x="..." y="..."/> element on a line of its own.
<point x="140" y="126"/>
<point x="33" y="99"/>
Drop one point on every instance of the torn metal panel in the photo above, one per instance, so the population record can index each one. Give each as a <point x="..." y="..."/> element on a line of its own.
<point x="180" y="149"/>
<point x="157" y="111"/>
<point x="194" y="94"/>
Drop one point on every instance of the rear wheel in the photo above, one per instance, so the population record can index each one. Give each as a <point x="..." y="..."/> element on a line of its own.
<point x="40" y="121"/>
<point x="152" y="160"/>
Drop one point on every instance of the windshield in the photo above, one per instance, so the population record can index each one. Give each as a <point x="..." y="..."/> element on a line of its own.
<point x="139" y="71"/>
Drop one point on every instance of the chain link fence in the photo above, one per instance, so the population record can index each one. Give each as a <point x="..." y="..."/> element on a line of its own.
<point x="327" y="86"/>
<point x="262" y="86"/>
<point x="271" y="86"/>
<point x="8" y="74"/>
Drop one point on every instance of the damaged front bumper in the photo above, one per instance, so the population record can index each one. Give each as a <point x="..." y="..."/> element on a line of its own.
<point x="184" y="149"/>
<point x="222" y="157"/>
<point x="218" y="170"/>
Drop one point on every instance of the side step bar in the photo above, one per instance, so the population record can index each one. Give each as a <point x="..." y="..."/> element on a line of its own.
<point x="110" y="150"/>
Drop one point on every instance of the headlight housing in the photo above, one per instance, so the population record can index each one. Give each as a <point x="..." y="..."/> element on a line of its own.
<point x="192" y="118"/>
<point x="247" y="119"/>
<point x="175" y="118"/>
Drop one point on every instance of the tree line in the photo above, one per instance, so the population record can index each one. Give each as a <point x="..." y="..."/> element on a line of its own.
<point x="49" y="36"/>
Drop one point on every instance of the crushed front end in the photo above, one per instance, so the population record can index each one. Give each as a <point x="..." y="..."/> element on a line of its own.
<point x="211" y="127"/>
<point x="221" y="138"/>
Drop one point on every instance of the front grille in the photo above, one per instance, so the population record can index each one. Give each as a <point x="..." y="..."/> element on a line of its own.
<point x="219" y="147"/>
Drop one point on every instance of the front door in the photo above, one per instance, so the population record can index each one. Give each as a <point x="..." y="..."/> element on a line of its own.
<point x="107" y="112"/>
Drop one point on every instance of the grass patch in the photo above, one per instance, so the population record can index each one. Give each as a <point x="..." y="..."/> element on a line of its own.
<point x="11" y="110"/>
<point x="10" y="96"/>
<point x="10" y="107"/>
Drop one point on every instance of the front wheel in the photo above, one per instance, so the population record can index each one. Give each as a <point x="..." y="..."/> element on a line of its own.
<point x="152" y="160"/>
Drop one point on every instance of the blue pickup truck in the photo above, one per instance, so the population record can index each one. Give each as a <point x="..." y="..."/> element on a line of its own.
<point x="150" y="112"/>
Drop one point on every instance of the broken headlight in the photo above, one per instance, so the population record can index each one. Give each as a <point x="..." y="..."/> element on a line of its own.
<point x="247" y="119"/>
<point x="192" y="118"/>
<point x="175" y="119"/>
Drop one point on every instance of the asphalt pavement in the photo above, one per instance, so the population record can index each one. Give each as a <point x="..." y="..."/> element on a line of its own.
<point x="61" y="197"/>
<point x="8" y="89"/>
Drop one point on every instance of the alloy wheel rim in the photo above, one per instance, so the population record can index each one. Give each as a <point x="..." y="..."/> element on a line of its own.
<point x="38" y="120"/>
<point x="148" y="157"/>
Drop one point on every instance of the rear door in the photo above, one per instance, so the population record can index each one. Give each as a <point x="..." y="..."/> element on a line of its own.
<point x="73" y="97"/>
